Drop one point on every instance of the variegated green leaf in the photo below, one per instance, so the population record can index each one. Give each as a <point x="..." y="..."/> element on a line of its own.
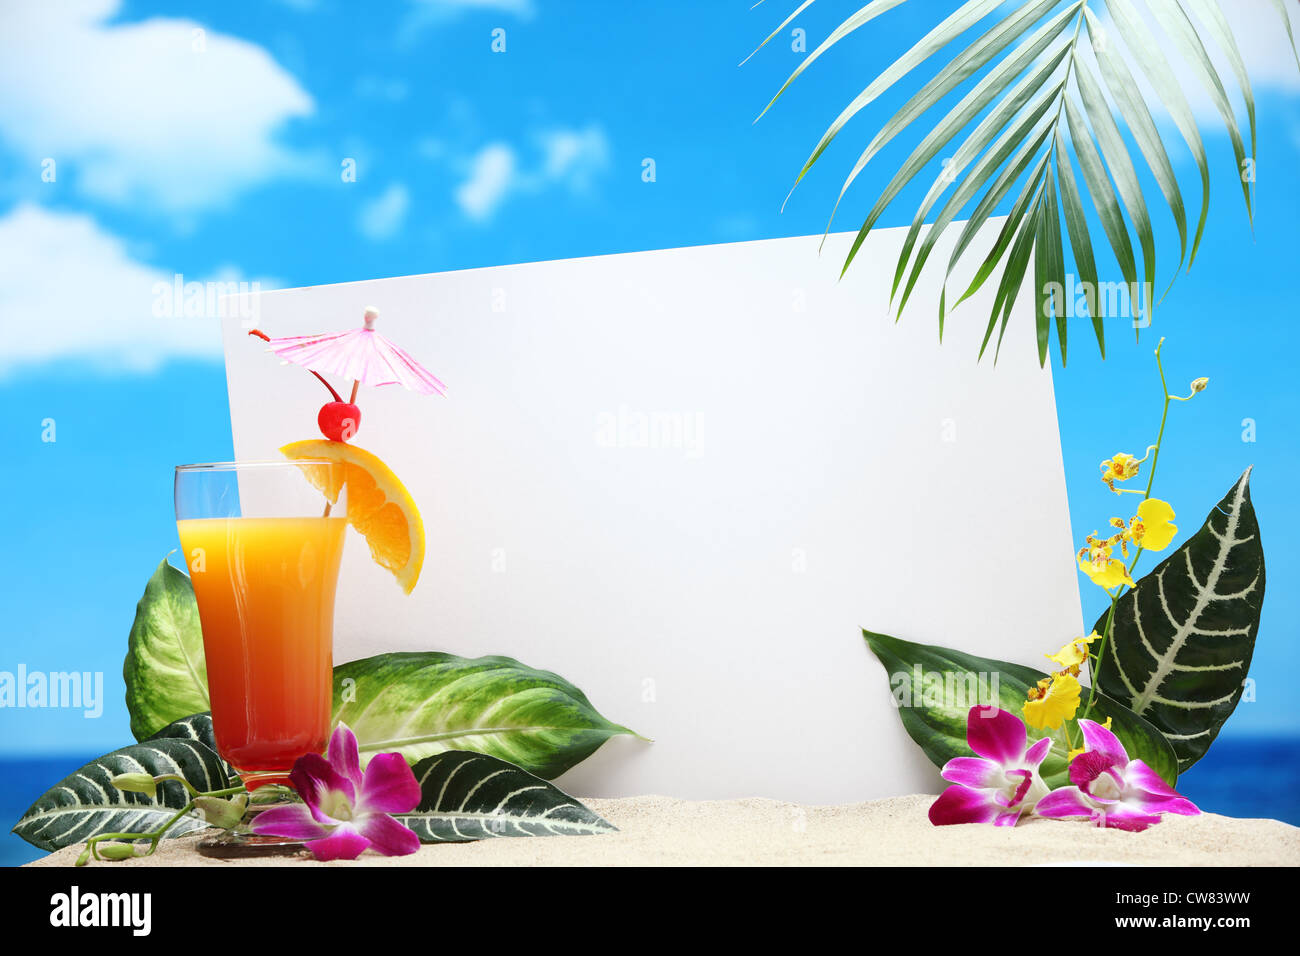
<point x="470" y="796"/>
<point x="85" y="804"/>
<point x="1183" y="638"/>
<point x="166" y="676"/>
<point x="420" y="704"/>
<point x="416" y="703"/>
<point x="935" y="688"/>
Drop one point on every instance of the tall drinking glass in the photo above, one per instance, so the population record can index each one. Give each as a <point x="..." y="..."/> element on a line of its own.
<point x="263" y="546"/>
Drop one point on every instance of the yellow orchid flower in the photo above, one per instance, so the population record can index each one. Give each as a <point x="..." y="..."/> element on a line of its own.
<point x="1097" y="550"/>
<point x="1154" y="527"/>
<point x="1119" y="467"/>
<point x="1072" y="656"/>
<point x="1110" y="574"/>
<point x="1054" y="701"/>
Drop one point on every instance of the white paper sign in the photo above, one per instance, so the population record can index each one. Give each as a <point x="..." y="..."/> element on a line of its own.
<point x="685" y="479"/>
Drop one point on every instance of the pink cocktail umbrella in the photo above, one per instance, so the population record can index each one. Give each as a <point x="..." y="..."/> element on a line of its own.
<point x="363" y="355"/>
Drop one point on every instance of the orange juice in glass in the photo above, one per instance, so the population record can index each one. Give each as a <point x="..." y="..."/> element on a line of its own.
<point x="263" y="549"/>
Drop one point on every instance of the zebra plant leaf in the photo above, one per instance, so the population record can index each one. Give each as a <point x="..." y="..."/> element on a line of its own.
<point x="1184" y="636"/>
<point x="471" y="796"/>
<point x="85" y="804"/>
<point x="420" y="704"/>
<point x="198" y="728"/>
<point x="1000" y="94"/>
<point x="935" y="688"/>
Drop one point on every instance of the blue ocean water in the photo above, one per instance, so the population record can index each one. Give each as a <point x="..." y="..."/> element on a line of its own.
<point x="22" y="781"/>
<point x="1240" y="777"/>
<point x="1248" y="777"/>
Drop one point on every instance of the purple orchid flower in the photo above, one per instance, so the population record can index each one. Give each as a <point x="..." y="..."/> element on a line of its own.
<point x="345" y="812"/>
<point x="1111" y="790"/>
<point x="1002" y="782"/>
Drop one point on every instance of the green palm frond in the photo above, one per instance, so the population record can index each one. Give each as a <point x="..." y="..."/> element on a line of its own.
<point x="1048" y="87"/>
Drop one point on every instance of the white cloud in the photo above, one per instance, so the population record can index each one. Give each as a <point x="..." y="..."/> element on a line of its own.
<point x="450" y="8"/>
<point x="159" y="111"/>
<point x="491" y="178"/>
<point x="424" y="14"/>
<point x="569" y="158"/>
<point x="573" y="157"/>
<point x="1261" y="35"/>
<point x="382" y="217"/>
<point x="387" y="89"/>
<point x="70" y="290"/>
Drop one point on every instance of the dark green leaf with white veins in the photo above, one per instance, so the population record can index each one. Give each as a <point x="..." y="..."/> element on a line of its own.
<point x="470" y="796"/>
<point x="196" y="727"/>
<point x="166" y="676"/>
<point x="421" y="704"/>
<point x="934" y="714"/>
<point x="1184" y="636"/>
<point x="84" y="804"/>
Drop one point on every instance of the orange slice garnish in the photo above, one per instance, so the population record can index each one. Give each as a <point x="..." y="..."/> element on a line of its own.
<point x="379" y="506"/>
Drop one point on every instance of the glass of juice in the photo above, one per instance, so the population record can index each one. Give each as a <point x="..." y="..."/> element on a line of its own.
<point x="263" y="546"/>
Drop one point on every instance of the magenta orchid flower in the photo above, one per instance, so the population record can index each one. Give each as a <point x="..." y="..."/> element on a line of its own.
<point x="1002" y="782"/>
<point x="345" y="811"/>
<point x="1111" y="790"/>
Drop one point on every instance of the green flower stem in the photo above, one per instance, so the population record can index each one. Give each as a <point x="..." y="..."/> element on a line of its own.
<point x="161" y="778"/>
<point x="1095" y="665"/>
<point x="155" y="836"/>
<point x="1153" y="452"/>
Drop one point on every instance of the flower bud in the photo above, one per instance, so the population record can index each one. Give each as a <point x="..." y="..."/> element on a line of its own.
<point x="222" y="813"/>
<point x="1198" y="385"/>
<point x="116" y="851"/>
<point x="135" y="783"/>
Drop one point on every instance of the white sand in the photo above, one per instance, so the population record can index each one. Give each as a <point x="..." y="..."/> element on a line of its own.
<point x="661" y="831"/>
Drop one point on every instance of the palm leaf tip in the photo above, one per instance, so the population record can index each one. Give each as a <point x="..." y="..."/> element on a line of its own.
<point x="1114" y="137"/>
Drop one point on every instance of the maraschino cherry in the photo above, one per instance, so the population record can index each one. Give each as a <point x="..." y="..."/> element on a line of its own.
<point x="338" y="420"/>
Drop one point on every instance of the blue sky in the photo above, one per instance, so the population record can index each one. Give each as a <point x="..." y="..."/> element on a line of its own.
<point x="215" y="142"/>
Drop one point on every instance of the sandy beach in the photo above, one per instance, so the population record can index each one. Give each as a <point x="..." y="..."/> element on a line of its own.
<point x="662" y="831"/>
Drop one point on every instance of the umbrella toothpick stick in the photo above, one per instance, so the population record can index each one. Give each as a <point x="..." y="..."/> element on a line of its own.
<point x="363" y="355"/>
